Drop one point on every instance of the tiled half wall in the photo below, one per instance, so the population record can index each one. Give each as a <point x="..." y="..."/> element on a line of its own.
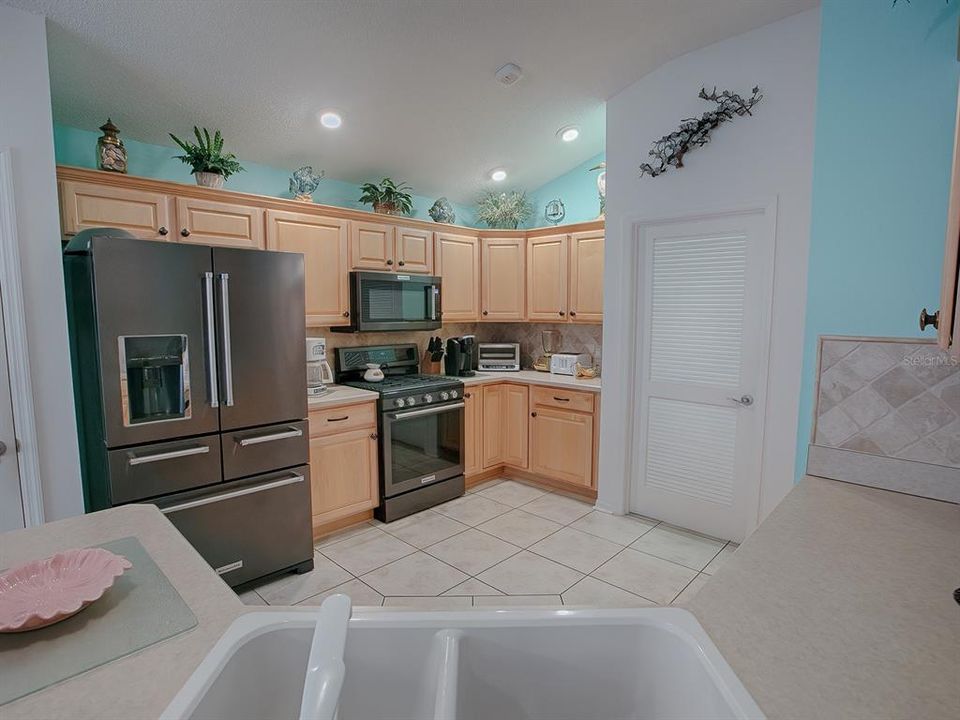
<point x="883" y="407"/>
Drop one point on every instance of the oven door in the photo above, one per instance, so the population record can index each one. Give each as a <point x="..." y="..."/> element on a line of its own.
<point x="384" y="302"/>
<point x="422" y="446"/>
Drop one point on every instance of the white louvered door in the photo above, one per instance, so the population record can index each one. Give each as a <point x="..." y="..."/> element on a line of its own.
<point x="704" y="334"/>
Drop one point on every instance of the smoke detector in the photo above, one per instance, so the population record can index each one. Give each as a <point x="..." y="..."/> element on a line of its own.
<point x="509" y="74"/>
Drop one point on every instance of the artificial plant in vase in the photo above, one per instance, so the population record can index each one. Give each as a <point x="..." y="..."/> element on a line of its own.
<point x="209" y="164"/>
<point x="505" y="210"/>
<point x="388" y="198"/>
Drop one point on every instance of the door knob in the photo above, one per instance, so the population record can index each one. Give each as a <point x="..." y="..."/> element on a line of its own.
<point x="3" y="448"/>
<point x="573" y="313"/>
<point x="533" y="414"/>
<point x="743" y="400"/>
<point x="562" y="313"/>
<point x="401" y="263"/>
<point x="389" y="262"/>
<point x="346" y="313"/>
<point x="162" y="230"/>
<point x="185" y="232"/>
<point x="927" y="320"/>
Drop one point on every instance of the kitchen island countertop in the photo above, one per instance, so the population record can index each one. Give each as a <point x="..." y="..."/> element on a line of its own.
<point x="532" y="377"/>
<point x="341" y="395"/>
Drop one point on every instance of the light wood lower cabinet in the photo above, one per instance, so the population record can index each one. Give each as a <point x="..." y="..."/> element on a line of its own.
<point x="215" y="223"/>
<point x="492" y="437"/>
<point x="148" y="215"/>
<point x="472" y="432"/>
<point x="503" y="277"/>
<point x="344" y="475"/>
<point x="513" y="425"/>
<point x="561" y="445"/>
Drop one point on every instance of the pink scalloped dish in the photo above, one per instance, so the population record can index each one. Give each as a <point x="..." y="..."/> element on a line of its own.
<point x="44" y="592"/>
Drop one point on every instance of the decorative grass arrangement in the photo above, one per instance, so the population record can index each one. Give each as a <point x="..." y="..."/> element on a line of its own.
<point x="504" y="210"/>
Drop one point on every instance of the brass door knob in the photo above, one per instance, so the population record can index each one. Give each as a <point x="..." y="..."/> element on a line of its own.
<point x="927" y="320"/>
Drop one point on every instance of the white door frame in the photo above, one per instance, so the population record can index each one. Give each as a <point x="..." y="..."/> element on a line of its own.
<point x="619" y="451"/>
<point x="18" y="357"/>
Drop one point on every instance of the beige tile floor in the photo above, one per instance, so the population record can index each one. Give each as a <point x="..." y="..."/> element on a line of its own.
<point x="505" y="544"/>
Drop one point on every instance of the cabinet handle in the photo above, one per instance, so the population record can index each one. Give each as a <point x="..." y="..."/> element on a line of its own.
<point x="573" y="313"/>
<point x="401" y="263"/>
<point x="339" y="419"/>
<point x="468" y="395"/>
<point x="162" y="230"/>
<point x="485" y="312"/>
<point x="346" y="313"/>
<point x="185" y="232"/>
<point x="533" y="414"/>
<point x="561" y="399"/>
<point x="562" y="313"/>
<point x="927" y="320"/>
<point x="374" y="436"/>
<point x="389" y="262"/>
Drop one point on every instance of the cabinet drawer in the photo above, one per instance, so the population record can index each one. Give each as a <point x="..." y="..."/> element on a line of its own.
<point x="565" y="399"/>
<point x="249" y="452"/>
<point x="341" y="419"/>
<point x="149" y="470"/>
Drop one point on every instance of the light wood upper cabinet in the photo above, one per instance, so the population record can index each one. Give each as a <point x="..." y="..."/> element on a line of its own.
<point x="493" y="412"/>
<point x="148" y="215"/>
<point x="343" y="474"/>
<point x="513" y="425"/>
<point x="472" y="431"/>
<point x="586" y="277"/>
<point x="503" y="277"/>
<point x="215" y="223"/>
<point x="371" y="246"/>
<point x="324" y="244"/>
<point x="561" y="445"/>
<point x="547" y="278"/>
<point x="457" y="259"/>
<point x="414" y="250"/>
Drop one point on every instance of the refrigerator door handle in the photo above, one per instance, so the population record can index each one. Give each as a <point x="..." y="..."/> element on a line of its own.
<point x="211" y="333"/>
<point x="225" y="336"/>
<point x="290" y="480"/>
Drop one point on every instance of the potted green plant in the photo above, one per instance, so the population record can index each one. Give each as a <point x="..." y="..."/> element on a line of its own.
<point x="388" y="198"/>
<point x="505" y="210"/>
<point x="210" y="165"/>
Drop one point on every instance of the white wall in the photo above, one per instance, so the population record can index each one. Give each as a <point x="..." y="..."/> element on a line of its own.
<point x="749" y="160"/>
<point x="26" y="126"/>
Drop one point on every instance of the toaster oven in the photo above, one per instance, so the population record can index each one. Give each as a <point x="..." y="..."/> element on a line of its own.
<point x="497" y="357"/>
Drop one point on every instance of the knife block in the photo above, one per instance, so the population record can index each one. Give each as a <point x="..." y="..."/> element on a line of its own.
<point x="428" y="366"/>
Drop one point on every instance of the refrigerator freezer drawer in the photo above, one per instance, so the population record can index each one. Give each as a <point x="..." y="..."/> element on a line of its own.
<point x="147" y="471"/>
<point x="248" y="528"/>
<point x="250" y="452"/>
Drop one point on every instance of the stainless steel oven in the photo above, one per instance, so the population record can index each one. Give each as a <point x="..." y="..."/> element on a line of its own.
<point x="385" y="301"/>
<point x="421" y="446"/>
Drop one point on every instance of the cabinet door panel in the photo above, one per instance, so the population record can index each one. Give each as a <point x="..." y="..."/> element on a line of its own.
<point x="561" y="445"/>
<point x="547" y="278"/>
<point x="414" y="251"/>
<point x="493" y="409"/>
<point x="503" y="276"/>
<point x="458" y="263"/>
<point x="473" y="431"/>
<point x="514" y="425"/>
<point x="215" y="223"/>
<point x="371" y="246"/>
<point x="88" y="205"/>
<point x="586" y="277"/>
<point x="324" y="245"/>
<point x="343" y="474"/>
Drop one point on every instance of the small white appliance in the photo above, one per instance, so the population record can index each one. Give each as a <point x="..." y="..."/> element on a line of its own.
<point x="497" y="357"/>
<point x="566" y="363"/>
<point x="319" y="373"/>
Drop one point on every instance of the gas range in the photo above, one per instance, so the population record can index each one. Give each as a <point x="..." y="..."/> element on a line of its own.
<point x="407" y="391"/>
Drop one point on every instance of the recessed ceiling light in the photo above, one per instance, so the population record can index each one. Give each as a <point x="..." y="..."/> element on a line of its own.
<point x="498" y="175"/>
<point x="331" y="120"/>
<point x="568" y="133"/>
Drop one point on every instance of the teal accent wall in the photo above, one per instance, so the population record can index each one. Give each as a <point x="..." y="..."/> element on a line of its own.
<point x="886" y="104"/>
<point x="577" y="189"/>
<point x="73" y="146"/>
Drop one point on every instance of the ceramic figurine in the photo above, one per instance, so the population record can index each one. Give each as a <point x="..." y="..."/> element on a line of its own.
<point x="601" y="188"/>
<point x="111" y="154"/>
<point x="554" y="211"/>
<point x="304" y="183"/>
<point x="442" y="211"/>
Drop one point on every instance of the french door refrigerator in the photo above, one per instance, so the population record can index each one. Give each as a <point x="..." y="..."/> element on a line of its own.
<point x="190" y="382"/>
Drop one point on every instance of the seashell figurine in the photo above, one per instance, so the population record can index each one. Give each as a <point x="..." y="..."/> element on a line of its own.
<point x="304" y="183"/>
<point x="442" y="211"/>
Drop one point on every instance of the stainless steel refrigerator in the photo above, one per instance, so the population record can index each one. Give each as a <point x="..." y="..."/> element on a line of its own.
<point x="190" y="383"/>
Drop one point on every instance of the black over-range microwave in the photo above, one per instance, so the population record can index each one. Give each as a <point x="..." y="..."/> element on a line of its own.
<point x="382" y="302"/>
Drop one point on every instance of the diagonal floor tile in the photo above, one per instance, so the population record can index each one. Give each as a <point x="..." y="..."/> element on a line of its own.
<point x="591" y="592"/>
<point x="621" y="529"/>
<point x="721" y="558"/>
<point x="361" y="595"/>
<point x="529" y="574"/>
<point x="365" y="552"/>
<point x="679" y="546"/>
<point x="472" y="551"/>
<point x="472" y="587"/>
<point x="520" y="528"/>
<point x="690" y="591"/>
<point x="558" y="508"/>
<point x="512" y="493"/>
<point x="250" y="597"/>
<point x="484" y="486"/>
<point x="645" y="575"/>
<point x="425" y="528"/>
<point x="472" y="509"/>
<point x="344" y="534"/>
<point x="417" y="574"/>
<point x="291" y="589"/>
<point x="576" y="549"/>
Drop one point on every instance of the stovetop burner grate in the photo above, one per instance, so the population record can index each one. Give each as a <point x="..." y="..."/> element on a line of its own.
<point x="404" y="382"/>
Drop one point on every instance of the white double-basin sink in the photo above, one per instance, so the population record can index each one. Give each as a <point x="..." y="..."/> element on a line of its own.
<point x="652" y="663"/>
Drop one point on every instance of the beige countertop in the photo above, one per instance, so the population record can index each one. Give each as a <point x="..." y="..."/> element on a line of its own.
<point x="532" y="377"/>
<point x="341" y="395"/>
<point x="841" y="606"/>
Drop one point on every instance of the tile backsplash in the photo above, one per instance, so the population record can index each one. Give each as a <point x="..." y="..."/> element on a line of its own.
<point x="573" y="338"/>
<point x="889" y="398"/>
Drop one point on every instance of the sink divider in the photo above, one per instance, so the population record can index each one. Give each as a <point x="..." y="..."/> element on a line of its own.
<point x="447" y="652"/>
<point x="325" y="667"/>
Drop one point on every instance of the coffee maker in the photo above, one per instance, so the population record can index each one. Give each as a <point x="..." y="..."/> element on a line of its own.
<point x="319" y="374"/>
<point x="461" y="356"/>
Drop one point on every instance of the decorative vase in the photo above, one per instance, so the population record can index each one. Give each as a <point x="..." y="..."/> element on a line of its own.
<point x="385" y="208"/>
<point x="111" y="154"/>
<point x="209" y="179"/>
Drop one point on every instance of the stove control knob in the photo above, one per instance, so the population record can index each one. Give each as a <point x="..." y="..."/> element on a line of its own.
<point x="444" y="395"/>
<point x="411" y="401"/>
<point x="401" y="402"/>
<point x="454" y="394"/>
<point x="428" y="398"/>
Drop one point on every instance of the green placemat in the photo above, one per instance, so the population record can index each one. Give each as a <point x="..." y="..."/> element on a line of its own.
<point x="141" y="608"/>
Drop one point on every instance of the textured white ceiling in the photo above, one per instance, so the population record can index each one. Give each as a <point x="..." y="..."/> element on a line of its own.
<point x="413" y="78"/>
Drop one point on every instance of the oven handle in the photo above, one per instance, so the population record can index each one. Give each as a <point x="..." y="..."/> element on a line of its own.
<point x="426" y="411"/>
<point x="293" y="478"/>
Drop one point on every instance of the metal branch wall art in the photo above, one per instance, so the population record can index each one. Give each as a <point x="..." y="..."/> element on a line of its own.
<point x="695" y="132"/>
